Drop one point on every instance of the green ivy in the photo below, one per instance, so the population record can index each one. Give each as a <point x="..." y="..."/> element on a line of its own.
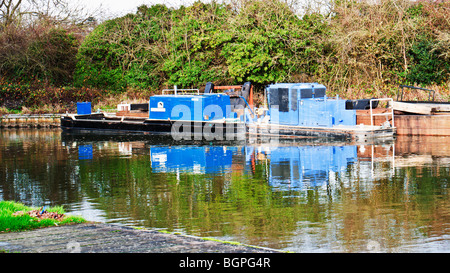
<point x="426" y="67"/>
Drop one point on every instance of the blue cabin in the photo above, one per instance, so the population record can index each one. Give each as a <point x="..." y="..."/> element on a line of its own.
<point x="306" y="104"/>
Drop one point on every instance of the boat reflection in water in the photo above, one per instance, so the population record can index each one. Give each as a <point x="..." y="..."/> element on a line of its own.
<point x="287" y="167"/>
<point x="191" y="159"/>
<point x="300" y="167"/>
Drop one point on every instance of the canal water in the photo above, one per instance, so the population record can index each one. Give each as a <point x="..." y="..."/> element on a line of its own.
<point x="295" y="196"/>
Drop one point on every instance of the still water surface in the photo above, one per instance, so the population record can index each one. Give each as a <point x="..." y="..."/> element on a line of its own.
<point x="300" y="197"/>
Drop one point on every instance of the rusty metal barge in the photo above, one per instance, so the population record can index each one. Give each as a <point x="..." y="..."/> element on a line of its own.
<point x="413" y="118"/>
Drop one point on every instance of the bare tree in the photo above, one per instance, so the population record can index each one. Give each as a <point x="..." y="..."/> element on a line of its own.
<point x="59" y="11"/>
<point x="8" y="10"/>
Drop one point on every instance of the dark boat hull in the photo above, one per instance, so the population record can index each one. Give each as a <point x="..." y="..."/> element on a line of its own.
<point x="215" y="130"/>
<point x="176" y="129"/>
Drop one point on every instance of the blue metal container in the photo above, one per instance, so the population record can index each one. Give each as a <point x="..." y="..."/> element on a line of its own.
<point x="203" y="107"/>
<point x="84" y="108"/>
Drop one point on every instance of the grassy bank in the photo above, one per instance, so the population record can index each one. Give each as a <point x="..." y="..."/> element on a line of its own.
<point x="15" y="217"/>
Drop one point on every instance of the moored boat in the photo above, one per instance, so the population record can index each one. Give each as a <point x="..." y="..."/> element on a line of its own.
<point x="217" y="113"/>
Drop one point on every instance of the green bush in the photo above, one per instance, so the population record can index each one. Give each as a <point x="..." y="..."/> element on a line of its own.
<point x="426" y="67"/>
<point x="47" y="54"/>
<point x="52" y="56"/>
<point x="194" y="43"/>
<point x="123" y="52"/>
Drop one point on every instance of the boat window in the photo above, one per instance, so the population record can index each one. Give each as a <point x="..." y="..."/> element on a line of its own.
<point x="273" y="97"/>
<point x="306" y="93"/>
<point x="294" y="99"/>
<point x="319" y="92"/>
<point x="283" y="94"/>
<point x="280" y="97"/>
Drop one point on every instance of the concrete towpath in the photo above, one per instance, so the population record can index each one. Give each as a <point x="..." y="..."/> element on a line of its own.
<point x="106" y="238"/>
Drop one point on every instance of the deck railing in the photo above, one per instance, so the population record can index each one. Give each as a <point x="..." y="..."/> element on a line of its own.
<point x="177" y="91"/>
<point x="400" y="93"/>
<point x="382" y="114"/>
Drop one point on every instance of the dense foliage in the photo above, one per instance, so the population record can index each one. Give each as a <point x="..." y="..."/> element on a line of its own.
<point x="358" y="49"/>
<point x="43" y="53"/>
<point x="264" y="42"/>
<point x="359" y="44"/>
